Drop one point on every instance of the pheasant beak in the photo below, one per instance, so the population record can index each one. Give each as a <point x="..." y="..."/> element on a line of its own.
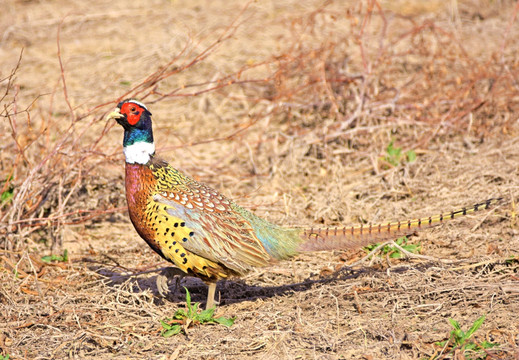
<point x="116" y="115"/>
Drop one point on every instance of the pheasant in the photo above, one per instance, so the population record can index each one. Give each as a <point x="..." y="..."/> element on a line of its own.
<point x="209" y="236"/>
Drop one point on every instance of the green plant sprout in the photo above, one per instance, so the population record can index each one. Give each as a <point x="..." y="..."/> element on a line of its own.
<point x="61" y="258"/>
<point x="394" y="252"/>
<point x="7" y="192"/>
<point x="394" y="155"/>
<point x="460" y="340"/>
<point x="183" y="319"/>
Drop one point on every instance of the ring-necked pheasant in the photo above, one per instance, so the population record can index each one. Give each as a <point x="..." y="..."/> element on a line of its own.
<point x="209" y="236"/>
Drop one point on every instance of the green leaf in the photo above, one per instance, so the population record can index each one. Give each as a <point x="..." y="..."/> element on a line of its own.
<point x="206" y="315"/>
<point x="471" y="346"/>
<point x="414" y="248"/>
<point x="455" y="324"/>
<point x="228" y="322"/>
<point x="61" y="258"/>
<point x="393" y="154"/>
<point x="441" y="343"/>
<point x="394" y="252"/>
<point x="477" y="324"/>
<point x="175" y="329"/>
<point x="462" y="339"/>
<point x="180" y="314"/>
<point x="195" y="308"/>
<point x="7" y="195"/>
<point x="487" y="345"/>
<point x="411" y="156"/>
<point x="188" y="298"/>
<point x="395" y="255"/>
<point x="165" y="325"/>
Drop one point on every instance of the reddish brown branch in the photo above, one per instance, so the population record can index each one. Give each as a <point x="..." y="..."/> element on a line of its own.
<point x="62" y="69"/>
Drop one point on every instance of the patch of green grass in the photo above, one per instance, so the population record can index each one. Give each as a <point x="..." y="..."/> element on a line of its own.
<point x="191" y="316"/>
<point x="395" y="157"/>
<point x="394" y="252"/>
<point x="512" y="259"/>
<point x="4" y="357"/>
<point x="460" y="340"/>
<point x="8" y="192"/>
<point x="61" y="258"/>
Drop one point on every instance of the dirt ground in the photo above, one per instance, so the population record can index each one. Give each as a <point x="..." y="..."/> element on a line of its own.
<point x="289" y="108"/>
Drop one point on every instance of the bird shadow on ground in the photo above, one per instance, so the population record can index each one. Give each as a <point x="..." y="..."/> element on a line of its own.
<point x="234" y="290"/>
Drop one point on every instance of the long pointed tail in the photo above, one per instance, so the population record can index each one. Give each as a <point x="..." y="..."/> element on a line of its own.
<point x="359" y="236"/>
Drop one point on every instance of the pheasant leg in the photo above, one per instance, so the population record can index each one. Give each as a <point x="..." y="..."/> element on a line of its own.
<point x="210" y="296"/>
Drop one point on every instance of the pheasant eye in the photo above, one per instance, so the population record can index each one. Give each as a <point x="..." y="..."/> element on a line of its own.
<point x="132" y="109"/>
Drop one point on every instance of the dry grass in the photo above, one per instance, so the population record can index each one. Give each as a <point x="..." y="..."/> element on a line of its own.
<point x="288" y="108"/>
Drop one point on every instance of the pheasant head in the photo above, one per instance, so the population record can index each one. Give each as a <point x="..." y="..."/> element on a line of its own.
<point x="135" y="119"/>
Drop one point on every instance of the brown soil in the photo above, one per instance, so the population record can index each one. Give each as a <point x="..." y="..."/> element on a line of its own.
<point x="288" y="107"/>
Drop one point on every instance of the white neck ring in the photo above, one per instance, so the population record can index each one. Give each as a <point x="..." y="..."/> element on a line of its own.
<point x="139" y="152"/>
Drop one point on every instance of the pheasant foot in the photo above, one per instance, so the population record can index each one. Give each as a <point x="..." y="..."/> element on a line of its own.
<point x="164" y="276"/>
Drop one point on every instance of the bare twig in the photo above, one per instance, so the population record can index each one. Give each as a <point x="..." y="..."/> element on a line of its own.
<point x="62" y="68"/>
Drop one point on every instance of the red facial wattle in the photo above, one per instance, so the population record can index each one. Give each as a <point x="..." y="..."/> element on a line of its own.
<point x="133" y="112"/>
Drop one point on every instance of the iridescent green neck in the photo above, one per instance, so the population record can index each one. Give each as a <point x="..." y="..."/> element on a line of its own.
<point x="135" y="135"/>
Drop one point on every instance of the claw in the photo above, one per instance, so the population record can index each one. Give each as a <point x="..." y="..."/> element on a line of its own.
<point x="163" y="278"/>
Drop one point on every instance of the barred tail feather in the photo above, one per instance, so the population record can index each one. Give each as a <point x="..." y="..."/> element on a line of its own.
<point x="363" y="235"/>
